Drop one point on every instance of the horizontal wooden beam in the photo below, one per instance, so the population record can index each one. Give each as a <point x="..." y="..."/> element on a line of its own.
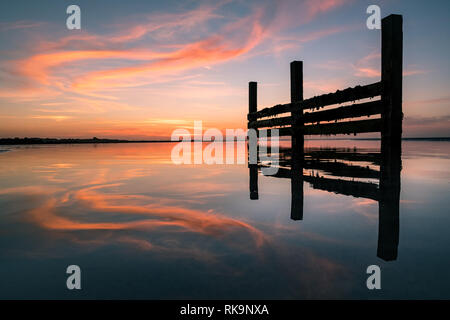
<point x="274" y="122"/>
<point x="348" y="127"/>
<point x="340" y="96"/>
<point x="271" y="111"/>
<point x="344" y="112"/>
<point x="282" y="132"/>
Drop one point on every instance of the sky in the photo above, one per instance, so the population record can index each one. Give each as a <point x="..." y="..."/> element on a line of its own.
<point x="141" y="69"/>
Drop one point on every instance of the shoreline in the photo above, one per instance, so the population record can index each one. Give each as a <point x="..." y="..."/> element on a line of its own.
<point x="50" y="141"/>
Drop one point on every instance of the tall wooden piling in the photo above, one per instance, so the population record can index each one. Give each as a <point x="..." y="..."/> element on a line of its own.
<point x="253" y="167"/>
<point x="391" y="135"/>
<point x="391" y="78"/>
<point x="297" y="113"/>
<point x="297" y="141"/>
<point x="252" y="100"/>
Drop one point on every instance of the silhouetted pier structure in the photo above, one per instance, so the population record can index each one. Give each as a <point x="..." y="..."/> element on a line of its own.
<point x="305" y="117"/>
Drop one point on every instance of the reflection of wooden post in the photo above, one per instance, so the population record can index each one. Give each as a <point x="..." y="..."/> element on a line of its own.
<point x="388" y="217"/>
<point x="391" y="135"/>
<point x="297" y="142"/>
<point x="296" y="188"/>
<point x="253" y="169"/>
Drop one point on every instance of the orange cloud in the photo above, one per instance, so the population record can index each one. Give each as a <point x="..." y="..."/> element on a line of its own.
<point x="225" y="45"/>
<point x="52" y="117"/>
<point x="155" y="215"/>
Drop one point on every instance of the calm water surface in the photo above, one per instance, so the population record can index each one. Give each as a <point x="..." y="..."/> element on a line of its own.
<point x="142" y="227"/>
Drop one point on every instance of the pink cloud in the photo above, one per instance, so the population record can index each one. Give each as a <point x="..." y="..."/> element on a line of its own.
<point x="370" y="67"/>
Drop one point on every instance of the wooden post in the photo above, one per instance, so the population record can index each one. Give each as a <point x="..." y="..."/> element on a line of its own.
<point x="252" y="99"/>
<point x="297" y="142"/>
<point x="391" y="136"/>
<point x="391" y="78"/>
<point x="297" y="114"/>
<point x="253" y="167"/>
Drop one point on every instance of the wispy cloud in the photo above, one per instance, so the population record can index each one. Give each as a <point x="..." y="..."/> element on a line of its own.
<point x="23" y="24"/>
<point x="370" y="67"/>
<point x="235" y="38"/>
<point x="52" y="117"/>
<point x="427" y="121"/>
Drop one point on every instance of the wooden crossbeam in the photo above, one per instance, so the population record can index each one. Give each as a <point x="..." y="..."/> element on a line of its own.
<point x="340" y="96"/>
<point x="343" y="112"/>
<point x="349" y="127"/>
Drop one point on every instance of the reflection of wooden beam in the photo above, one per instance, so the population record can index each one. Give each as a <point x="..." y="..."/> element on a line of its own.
<point x="337" y="169"/>
<point x="371" y="157"/>
<point x="342" y="169"/>
<point x="350" y="188"/>
<point x="281" y="173"/>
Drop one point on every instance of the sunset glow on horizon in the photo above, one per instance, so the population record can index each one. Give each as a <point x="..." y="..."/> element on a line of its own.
<point x="141" y="69"/>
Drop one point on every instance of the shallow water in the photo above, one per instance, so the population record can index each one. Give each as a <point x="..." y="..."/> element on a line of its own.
<point x="140" y="226"/>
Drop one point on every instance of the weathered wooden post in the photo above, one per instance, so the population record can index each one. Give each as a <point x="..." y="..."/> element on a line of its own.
<point x="253" y="167"/>
<point x="252" y="100"/>
<point x="391" y="78"/>
<point x="297" y="141"/>
<point x="297" y="113"/>
<point x="391" y="135"/>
